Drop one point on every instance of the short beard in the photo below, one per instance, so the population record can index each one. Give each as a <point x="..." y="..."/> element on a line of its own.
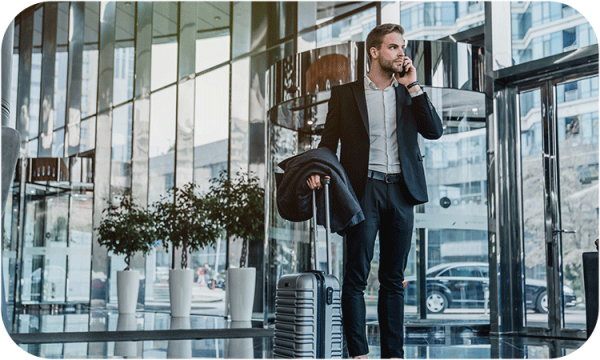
<point x="387" y="66"/>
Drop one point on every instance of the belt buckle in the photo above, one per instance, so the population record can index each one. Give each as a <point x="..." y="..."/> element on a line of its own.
<point x="387" y="178"/>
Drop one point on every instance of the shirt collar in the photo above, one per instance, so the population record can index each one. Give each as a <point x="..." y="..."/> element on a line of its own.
<point x="369" y="84"/>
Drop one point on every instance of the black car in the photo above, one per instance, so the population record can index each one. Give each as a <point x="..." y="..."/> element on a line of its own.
<point x="463" y="285"/>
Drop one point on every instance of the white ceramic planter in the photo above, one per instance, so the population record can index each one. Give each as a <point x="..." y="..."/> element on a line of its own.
<point x="179" y="349"/>
<point x="240" y="348"/>
<point x="240" y="292"/>
<point x="180" y="291"/>
<point x="126" y="322"/>
<point x="128" y="286"/>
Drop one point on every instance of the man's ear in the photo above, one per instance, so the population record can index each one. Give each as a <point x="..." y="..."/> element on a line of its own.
<point x="373" y="51"/>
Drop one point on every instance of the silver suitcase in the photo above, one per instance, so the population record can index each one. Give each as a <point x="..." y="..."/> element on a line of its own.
<point x="308" y="316"/>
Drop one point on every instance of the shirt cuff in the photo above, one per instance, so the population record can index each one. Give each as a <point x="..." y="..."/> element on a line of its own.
<point x="420" y="92"/>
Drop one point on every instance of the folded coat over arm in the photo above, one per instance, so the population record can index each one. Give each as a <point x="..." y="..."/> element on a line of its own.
<point x="294" y="196"/>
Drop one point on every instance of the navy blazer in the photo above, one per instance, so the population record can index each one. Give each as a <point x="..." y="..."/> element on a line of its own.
<point x="347" y="120"/>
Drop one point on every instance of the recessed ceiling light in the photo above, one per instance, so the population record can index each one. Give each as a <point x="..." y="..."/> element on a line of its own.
<point x="474" y="109"/>
<point x="217" y="18"/>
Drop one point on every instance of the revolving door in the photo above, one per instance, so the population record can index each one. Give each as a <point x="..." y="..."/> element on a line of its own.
<point x="450" y="231"/>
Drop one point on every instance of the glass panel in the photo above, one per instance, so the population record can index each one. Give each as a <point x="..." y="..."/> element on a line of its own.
<point x="354" y="28"/>
<point x="164" y="44"/>
<point x="577" y="113"/>
<point x="434" y="20"/>
<point x="14" y="84"/>
<point x="213" y="15"/>
<point x="212" y="126"/>
<point x="534" y="235"/>
<point x="454" y="220"/>
<point x="125" y="21"/>
<point x="62" y="22"/>
<point x="87" y="139"/>
<point x="43" y="270"/>
<point x="60" y="88"/>
<point x="58" y="143"/>
<point x="33" y="148"/>
<point x="212" y="48"/>
<point x="162" y="142"/>
<point x="329" y="9"/>
<point x="34" y="95"/>
<point x="38" y="22"/>
<point x="80" y="232"/>
<point x="89" y="82"/>
<point x="121" y="149"/>
<point x="92" y="22"/>
<point x="541" y="29"/>
<point x="123" y="72"/>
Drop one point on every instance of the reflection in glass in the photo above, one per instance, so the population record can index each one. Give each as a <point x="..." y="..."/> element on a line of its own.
<point x="162" y="143"/>
<point x="58" y="143"/>
<point x="87" y="138"/>
<point x="89" y="82"/>
<point x="354" y="28"/>
<point x="60" y="88"/>
<point x="13" y="89"/>
<point x="121" y="149"/>
<point x="92" y="16"/>
<point x="123" y="72"/>
<point x="34" y="94"/>
<point x="32" y="149"/>
<point x="80" y="240"/>
<point x="530" y="38"/>
<point x="212" y="48"/>
<point x="433" y="20"/>
<point x="577" y="114"/>
<point x="327" y="10"/>
<point x="212" y="125"/>
<point x="534" y="235"/>
<point x="164" y="44"/>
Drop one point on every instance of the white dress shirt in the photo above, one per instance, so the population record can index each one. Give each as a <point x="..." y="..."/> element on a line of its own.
<point x="381" y="108"/>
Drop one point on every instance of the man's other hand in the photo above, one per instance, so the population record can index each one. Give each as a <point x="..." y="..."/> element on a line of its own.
<point x="314" y="181"/>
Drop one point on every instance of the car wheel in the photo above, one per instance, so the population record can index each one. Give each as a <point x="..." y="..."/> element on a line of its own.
<point x="541" y="305"/>
<point x="436" y="302"/>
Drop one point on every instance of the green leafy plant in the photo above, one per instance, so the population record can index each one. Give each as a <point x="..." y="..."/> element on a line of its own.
<point x="238" y="205"/>
<point x="182" y="218"/>
<point x="126" y="228"/>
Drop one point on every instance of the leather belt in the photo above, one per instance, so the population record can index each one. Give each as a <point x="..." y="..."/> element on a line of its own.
<point x="387" y="178"/>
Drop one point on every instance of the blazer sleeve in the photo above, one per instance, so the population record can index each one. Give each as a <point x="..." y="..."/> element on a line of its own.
<point x="331" y="133"/>
<point x="428" y="121"/>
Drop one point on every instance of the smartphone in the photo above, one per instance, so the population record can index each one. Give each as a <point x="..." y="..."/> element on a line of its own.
<point x="402" y="72"/>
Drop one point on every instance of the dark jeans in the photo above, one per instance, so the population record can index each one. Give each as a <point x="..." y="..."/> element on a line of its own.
<point x="387" y="211"/>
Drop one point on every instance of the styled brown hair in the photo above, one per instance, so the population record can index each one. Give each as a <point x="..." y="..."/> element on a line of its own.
<point x="375" y="37"/>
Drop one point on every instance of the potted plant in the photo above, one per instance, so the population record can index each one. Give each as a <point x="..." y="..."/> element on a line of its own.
<point x="127" y="228"/>
<point x="182" y="218"/>
<point x="238" y="205"/>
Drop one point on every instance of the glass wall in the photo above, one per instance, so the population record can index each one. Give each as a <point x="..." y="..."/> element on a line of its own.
<point x="544" y="28"/>
<point x="234" y="43"/>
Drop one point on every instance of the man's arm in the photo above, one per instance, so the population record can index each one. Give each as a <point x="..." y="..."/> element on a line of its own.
<point x="428" y="121"/>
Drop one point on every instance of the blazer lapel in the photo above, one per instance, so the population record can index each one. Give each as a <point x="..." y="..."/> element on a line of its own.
<point x="361" y="101"/>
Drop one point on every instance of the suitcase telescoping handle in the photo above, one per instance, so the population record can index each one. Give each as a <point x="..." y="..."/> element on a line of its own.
<point x="326" y="181"/>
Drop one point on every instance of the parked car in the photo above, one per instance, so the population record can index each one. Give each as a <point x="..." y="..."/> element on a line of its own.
<point x="463" y="285"/>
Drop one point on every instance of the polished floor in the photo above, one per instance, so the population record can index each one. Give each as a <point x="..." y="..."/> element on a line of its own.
<point x="156" y="335"/>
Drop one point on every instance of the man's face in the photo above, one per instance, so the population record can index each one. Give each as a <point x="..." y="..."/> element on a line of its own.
<point x="391" y="53"/>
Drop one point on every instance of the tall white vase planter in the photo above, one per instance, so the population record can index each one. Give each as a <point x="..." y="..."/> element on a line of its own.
<point x="180" y="291"/>
<point x="126" y="322"/>
<point x="241" y="283"/>
<point x="128" y="286"/>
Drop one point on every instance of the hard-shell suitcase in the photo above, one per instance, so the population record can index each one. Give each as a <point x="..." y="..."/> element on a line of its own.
<point x="308" y="317"/>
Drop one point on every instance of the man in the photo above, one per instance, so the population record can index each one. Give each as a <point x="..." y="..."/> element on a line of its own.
<point x="377" y="120"/>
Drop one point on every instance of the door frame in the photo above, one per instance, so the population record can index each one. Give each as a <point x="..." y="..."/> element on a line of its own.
<point x="505" y="189"/>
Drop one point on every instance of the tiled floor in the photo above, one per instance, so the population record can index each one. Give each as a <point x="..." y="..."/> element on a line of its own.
<point x="471" y="342"/>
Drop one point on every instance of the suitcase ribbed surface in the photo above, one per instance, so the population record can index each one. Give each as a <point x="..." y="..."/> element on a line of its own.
<point x="297" y="317"/>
